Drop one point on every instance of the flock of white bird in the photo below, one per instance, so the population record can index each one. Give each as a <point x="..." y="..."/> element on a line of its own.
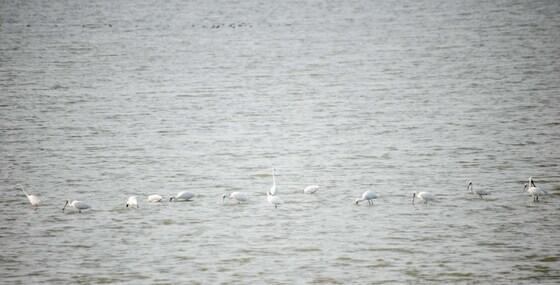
<point x="273" y="199"/>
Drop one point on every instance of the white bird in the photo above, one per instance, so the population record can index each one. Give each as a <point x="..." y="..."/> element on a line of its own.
<point x="238" y="196"/>
<point x="132" y="202"/>
<point x="424" y="196"/>
<point x="274" y="200"/>
<point x="182" y="196"/>
<point x="311" y="189"/>
<point x="34" y="200"/>
<point x="533" y="190"/>
<point x="78" y="205"/>
<point x="367" y="196"/>
<point x="273" y="188"/>
<point x="478" y="192"/>
<point x="154" y="198"/>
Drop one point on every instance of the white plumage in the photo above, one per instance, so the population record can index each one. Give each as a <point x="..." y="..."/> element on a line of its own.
<point x="182" y="196"/>
<point x="273" y="200"/>
<point x="273" y="188"/>
<point x="423" y="196"/>
<point x="367" y="196"/>
<point x="34" y="200"/>
<point x="132" y="202"/>
<point x="533" y="190"/>
<point x="78" y="205"/>
<point x="154" y="198"/>
<point x="478" y="192"/>
<point x="311" y="189"/>
<point x="237" y="196"/>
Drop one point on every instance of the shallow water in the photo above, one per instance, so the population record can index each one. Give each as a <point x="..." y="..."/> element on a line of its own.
<point x="105" y="100"/>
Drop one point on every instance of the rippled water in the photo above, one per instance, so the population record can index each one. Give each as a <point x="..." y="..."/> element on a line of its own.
<point x="108" y="99"/>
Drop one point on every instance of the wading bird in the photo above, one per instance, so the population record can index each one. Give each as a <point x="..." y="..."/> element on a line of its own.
<point x="273" y="188"/>
<point x="423" y="196"/>
<point x="132" y="202"/>
<point x="478" y="192"/>
<point x="34" y="200"/>
<point x="533" y="190"/>
<point x="274" y="200"/>
<point x="78" y="205"/>
<point x="311" y="189"/>
<point x="237" y="196"/>
<point x="367" y="196"/>
<point x="154" y="198"/>
<point x="182" y="196"/>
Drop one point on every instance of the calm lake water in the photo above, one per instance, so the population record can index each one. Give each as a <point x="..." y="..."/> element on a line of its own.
<point x="101" y="100"/>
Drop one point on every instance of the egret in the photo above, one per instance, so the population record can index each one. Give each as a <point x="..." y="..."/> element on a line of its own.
<point x="424" y="196"/>
<point x="533" y="190"/>
<point x="154" y="198"/>
<point x="182" y="196"/>
<point x="78" y="205"/>
<point x="273" y="188"/>
<point x="367" y="196"/>
<point x="274" y="200"/>
<point x="311" y="189"/>
<point x="237" y="196"/>
<point x="132" y="202"/>
<point x="34" y="200"/>
<point x="478" y="192"/>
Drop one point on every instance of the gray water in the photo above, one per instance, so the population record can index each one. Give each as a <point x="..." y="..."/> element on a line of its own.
<point x="101" y="100"/>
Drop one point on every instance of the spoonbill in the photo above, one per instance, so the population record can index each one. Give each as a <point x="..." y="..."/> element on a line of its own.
<point x="423" y="196"/>
<point x="533" y="190"/>
<point x="154" y="198"/>
<point x="182" y="196"/>
<point x="367" y="196"/>
<point x="34" y="200"/>
<point x="78" y="205"/>
<point x="311" y="189"/>
<point x="237" y="196"/>
<point x="478" y="192"/>
<point x="273" y="188"/>
<point x="132" y="202"/>
<point x="274" y="200"/>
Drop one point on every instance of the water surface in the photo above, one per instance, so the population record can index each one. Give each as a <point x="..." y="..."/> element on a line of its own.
<point x="109" y="99"/>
